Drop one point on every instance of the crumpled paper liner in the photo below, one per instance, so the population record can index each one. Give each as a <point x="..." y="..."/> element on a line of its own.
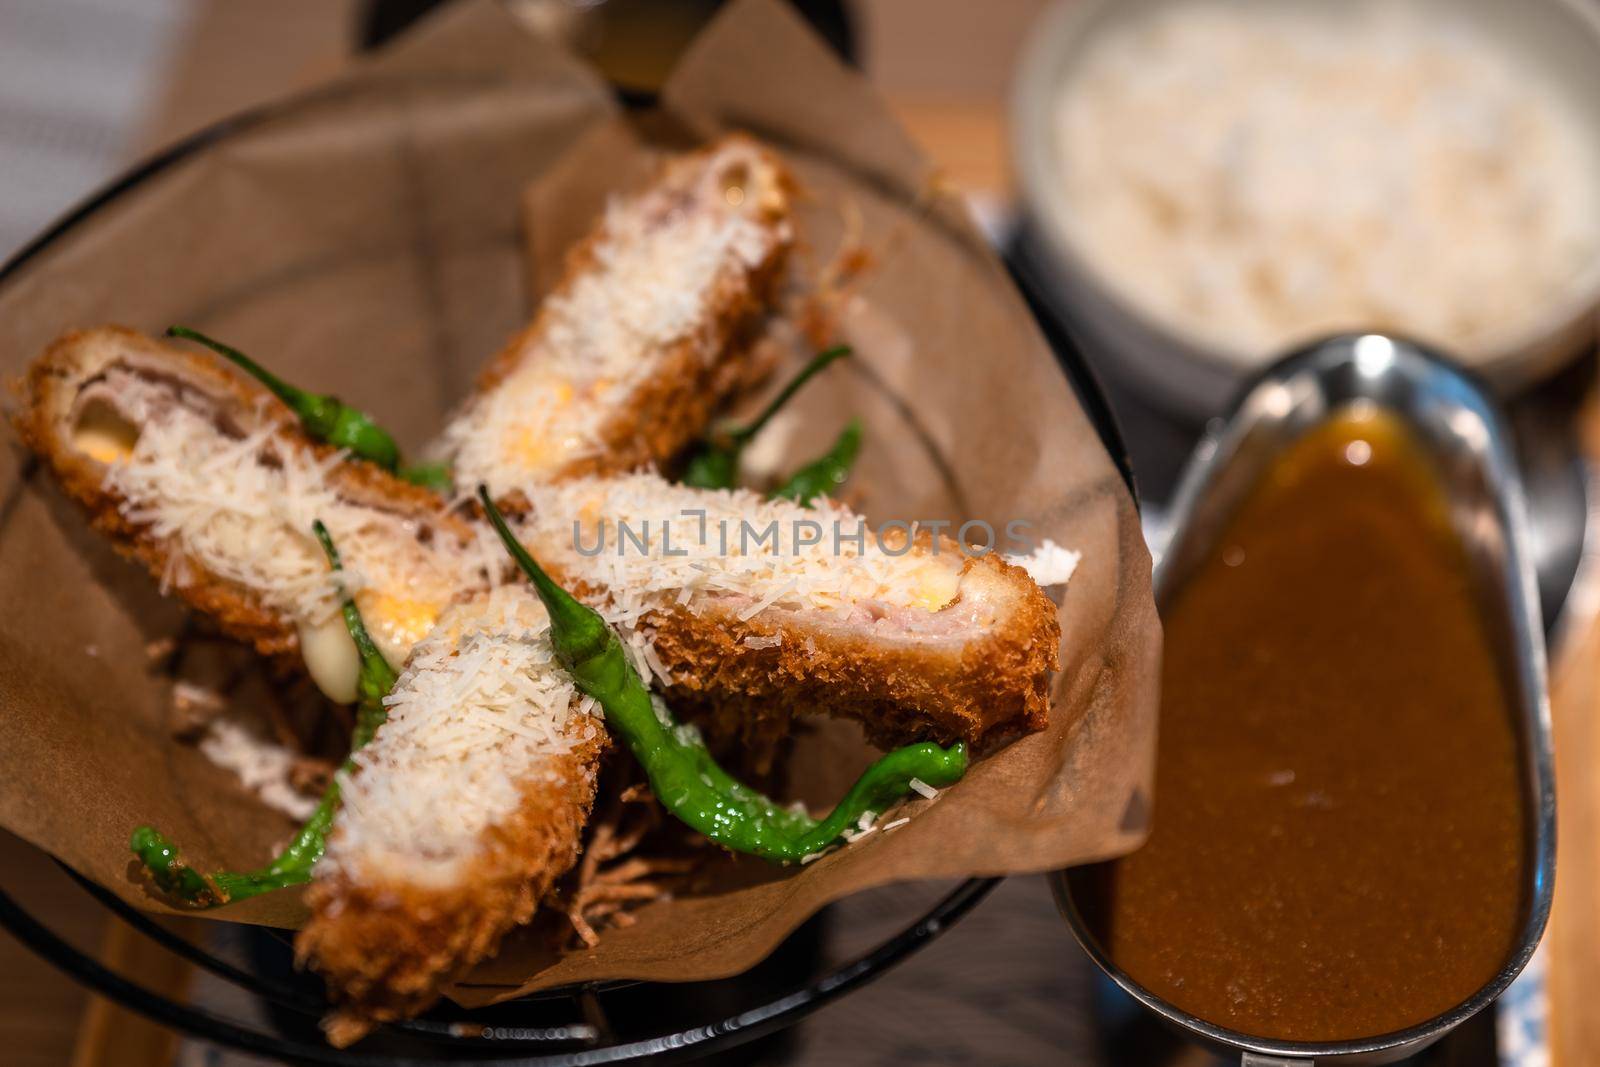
<point x="377" y="239"/>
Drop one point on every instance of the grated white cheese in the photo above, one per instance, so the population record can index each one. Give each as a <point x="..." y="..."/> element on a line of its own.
<point x="659" y="258"/>
<point x="1049" y="564"/>
<point x="478" y="712"/>
<point x="663" y="546"/>
<point x="242" y="508"/>
<point x="262" y="766"/>
<point x="192" y="700"/>
<point x="923" y="789"/>
<point x="865" y="825"/>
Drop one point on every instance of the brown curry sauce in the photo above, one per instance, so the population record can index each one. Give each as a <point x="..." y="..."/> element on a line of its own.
<point x="1339" y="844"/>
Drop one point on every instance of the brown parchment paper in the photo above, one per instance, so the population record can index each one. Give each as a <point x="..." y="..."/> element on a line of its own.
<point x="378" y="239"/>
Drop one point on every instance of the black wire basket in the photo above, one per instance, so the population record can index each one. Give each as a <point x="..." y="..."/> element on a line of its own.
<point x="268" y="1008"/>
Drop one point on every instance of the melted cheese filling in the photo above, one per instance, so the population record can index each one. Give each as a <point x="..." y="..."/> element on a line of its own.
<point x="101" y="433"/>
<point x="331" y="658"/>
<point x="933" y="586"/>
<point x="242" y="508"/>
<point x="397" y="621"/>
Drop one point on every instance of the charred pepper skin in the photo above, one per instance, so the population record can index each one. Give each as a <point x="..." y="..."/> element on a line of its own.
<point x="683" y="775"/>
<point x="294" y="864"/>
<point x="714" y="464"/>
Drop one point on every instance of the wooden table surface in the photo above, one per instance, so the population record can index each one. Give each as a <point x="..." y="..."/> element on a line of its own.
<point x="1573" y="939"/>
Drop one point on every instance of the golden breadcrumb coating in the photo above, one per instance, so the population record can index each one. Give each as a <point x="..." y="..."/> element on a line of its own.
<point x="387" y="947"/>
<point x="981" y="687"/>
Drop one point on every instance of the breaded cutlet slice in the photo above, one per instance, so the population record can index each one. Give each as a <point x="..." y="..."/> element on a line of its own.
<point x="754" y="609"/>
<point x="469" y="803"/>
<point x="204" y="477"/>
<point x="458" y="817"/>
<point x="649" y="330"/>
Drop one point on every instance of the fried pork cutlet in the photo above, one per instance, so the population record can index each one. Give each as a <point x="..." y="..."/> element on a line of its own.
<point x="468" y="804"/>
<point x="205" y="478"/>
<point x="458" y="817"/>
<point x="756" y="609"/>
<point x="649" y="330"/>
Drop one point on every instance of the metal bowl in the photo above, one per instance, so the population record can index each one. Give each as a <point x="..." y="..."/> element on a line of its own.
<point x="1194" y="377"/>
<point x="1459" y="431"/>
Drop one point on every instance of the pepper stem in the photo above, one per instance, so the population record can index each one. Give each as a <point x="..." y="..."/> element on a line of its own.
<point x="280" y="388"/>
<point x="549" y="591"/>
<point x="324" y="418"/>
<point x="352" y="617"/>
<point x="809" y="371"/>
<point x="376" y="677"/>
<point x="294" y="864"/>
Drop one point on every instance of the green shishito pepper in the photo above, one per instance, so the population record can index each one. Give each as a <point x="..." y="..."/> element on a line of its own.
<point x="715" y="462"/>
<point x="328" y="419"/>
<point x="434" y="476"/>
<point x="293" y="865"/>
<point x="682" y="773"/>
<point x="825" y="473"/>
